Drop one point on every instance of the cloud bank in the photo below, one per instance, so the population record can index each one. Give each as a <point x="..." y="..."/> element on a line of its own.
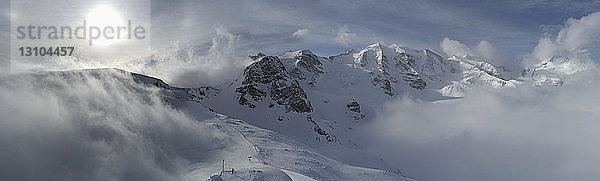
<point x="189" y="65"/>
<point x="513" y="26"/>
<point x="92" y="125"/>
<point x="345" y="36"/>
<point x="523" y="133"/>
<point x="483" y="50"/>
<point x="334" y="26"/>
<point x="575" y="39"/>
<point x="300" y="33"/>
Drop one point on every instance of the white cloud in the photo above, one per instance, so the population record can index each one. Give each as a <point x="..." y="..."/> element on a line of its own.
<point x="524" y="133"/>
<point x="483" y="50"/>
<point x="300" y="33"/>
<point x="575" y="39"/>
<point x="580" y="33"/>
<point x="193" y="66"/>
<point x="453" y="47"/>
<point x="89" y="125"/>
<point x="486" y="50"/>
<point x="344" y="36"/>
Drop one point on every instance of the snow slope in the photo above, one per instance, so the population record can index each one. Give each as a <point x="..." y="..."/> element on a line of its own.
<point x="554" y="70"/>
<point x="234" y="141"/>
<point x="473" y="74"/>
<point x="301" y="116"/>
<point x="324" y="102"/>
<point x="269" y="150"/>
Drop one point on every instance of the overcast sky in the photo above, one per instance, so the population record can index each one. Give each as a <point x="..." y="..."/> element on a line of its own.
<point x="331" y="27"/>
<point x="223" y="32"/>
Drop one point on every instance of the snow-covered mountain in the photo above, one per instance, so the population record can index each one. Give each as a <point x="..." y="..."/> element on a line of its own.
<point x="323" y="101"/>
<point x="424" y="69"/>
<point x="554" y="70"/>
<point x="301" y="115"/>
<point x="253" y="153"/>
<point x="475" y="73"/>
<point x="257" y="153"/>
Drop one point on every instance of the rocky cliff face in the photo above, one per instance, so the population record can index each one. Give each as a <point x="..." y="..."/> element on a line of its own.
<point x="268" y="78"/>
<point x="333" y="95"/>
<point x="176" y="93"/>
<point x="322" y="100"/>
<point x="303" y="65"/>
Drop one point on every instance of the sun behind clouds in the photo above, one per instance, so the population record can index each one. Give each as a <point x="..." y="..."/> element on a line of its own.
<point x="104" y="16"/>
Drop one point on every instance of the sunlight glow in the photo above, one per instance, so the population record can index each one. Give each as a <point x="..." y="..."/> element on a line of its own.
<point x="103" y="16"/>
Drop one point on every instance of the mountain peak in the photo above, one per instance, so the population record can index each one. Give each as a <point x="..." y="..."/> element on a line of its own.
<point x="375" y="45"/>
<point x="305" y="52"/>
<point x="268" y="77"/>
<point x="553" y="70"/>
<point x="297" y="53"/>
<point x="257" y="56"/>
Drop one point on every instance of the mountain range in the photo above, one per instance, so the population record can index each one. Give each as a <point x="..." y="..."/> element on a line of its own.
<point x="300" y="116"/>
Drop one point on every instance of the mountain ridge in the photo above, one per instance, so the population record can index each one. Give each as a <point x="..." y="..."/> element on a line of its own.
<point x="324" y="102"/>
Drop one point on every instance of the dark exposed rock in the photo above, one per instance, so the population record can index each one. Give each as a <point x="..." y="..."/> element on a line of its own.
<point x="257" y="56"/>
<point x="268" y="77"/>
<point x="355" y="112"/>
<point x="406" y="62"/>
<point x="384" y="84"/>
<point x="318" y="130"/>
<point x="414" y="81"/>
<point x="354" y="106"/>
<point x="189" y="94"/>
<point x="307" y="67"/>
